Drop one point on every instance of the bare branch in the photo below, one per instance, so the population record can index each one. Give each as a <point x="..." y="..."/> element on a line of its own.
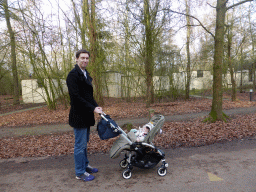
<point x="66" y="14"/>
<point x="193" y="25"/>
<point x="211" y="5"/>
<point x="239" y="3"/>
<point x="201" y="24"/>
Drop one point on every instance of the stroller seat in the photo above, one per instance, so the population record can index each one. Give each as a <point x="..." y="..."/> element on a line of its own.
<point x="157" y="121"/>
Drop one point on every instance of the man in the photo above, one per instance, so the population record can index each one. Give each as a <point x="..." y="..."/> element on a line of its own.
<point x="81" y="115"/>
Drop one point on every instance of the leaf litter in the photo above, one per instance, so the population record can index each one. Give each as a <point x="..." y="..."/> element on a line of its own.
<point x="175" y="134"/>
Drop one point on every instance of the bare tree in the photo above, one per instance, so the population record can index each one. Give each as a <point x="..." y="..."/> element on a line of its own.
<point x="90" y="16"/>
<point x="221" y="9"/>
<point x="13" y="52"/>
<point x="252" y="35"/>
<point x="187" y="87"/>
<point x="149" y="61"/>
<point x="81" y="23"/>
<point x="230" y="63"/>
<point x="216" y="111"/>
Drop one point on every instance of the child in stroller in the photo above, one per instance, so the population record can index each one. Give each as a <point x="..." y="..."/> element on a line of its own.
<point x="141" y="133"/>
<point x="141" y="154"/>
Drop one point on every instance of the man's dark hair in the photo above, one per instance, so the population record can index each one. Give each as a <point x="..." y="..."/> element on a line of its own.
<point x="81" y="51"/>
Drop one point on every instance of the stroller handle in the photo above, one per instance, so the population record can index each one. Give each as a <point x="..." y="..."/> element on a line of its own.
<point x="103" y="115"/>
<point x="113" y="126"/>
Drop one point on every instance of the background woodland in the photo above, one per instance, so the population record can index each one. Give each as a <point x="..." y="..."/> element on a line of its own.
<point x="137" y="38"/>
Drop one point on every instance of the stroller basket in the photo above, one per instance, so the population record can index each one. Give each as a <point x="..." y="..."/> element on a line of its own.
<point x="107" y="128"/>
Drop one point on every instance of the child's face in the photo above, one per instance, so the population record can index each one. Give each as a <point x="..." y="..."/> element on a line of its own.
<point x="145" y="129"/>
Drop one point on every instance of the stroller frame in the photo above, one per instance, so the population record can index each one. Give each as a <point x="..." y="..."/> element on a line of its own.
<point x="130" y="161"/>
<point x="138" y="154"/>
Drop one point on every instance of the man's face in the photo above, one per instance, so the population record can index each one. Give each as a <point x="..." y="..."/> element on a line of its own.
<point x="83" y="60"/>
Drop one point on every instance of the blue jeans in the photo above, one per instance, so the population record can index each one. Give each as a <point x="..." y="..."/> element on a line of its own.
<point x="80" y="149"/>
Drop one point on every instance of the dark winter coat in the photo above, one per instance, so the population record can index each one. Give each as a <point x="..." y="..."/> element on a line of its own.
<point x="81" y="99"/>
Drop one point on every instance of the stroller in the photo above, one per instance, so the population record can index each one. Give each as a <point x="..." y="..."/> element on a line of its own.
<point x="138" y="154"/>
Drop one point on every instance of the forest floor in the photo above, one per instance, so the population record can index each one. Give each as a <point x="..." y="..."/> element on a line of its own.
<point x="175" y="134"/>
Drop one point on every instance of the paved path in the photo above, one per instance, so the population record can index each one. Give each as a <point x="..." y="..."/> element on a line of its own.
<point x="221" y="167"/>
<point x="22" y="110"/>
<point x="53" y="128"/>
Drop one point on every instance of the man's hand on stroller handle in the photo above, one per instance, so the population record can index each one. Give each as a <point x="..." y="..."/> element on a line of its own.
<point x="98" y="110"/>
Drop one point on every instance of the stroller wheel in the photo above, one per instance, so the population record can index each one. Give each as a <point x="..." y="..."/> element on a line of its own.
<point x="162" y="171"/>
<point x="123" y="163"/>
<point x="127" y="174"/>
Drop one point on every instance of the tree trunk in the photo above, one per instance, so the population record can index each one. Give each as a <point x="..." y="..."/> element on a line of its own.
<point x="241" y="64"/>
<point x="188" y="51"/>
<point x="148" y="55"/>
<point x="253" y="52"/>
<point x="127" y="55"/>
<point x="94" y="51"/>
<point x="216" y="110"/>
<point x="233" y="82"/>
<point x="82" y="25"/>
<point x="13" y="54"/>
